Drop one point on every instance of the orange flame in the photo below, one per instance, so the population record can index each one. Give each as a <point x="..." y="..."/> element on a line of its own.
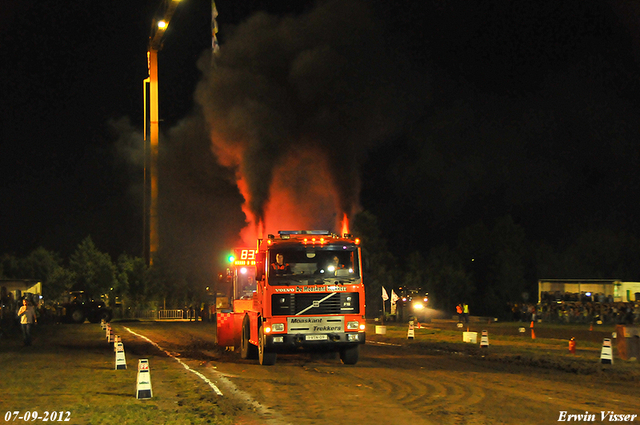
<point x="345" y="224"/>
<point x="302" y="196"/>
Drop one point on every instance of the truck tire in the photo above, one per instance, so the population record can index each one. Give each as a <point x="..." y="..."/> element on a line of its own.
<point x="350" y="355"/>
<point x="78" y="316"/>
<point x="266" y="358"/>
<point x="247" y="349"/>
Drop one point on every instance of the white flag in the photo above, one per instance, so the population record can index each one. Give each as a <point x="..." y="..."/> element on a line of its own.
<point x="394" y="298"/>
<point x="385" y="296"/>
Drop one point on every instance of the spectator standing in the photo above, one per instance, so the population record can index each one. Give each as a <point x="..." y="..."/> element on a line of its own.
<point x="27" y="316"/>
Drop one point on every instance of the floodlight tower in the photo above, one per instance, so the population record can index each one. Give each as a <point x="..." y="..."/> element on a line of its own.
<point x="151" y="240"/>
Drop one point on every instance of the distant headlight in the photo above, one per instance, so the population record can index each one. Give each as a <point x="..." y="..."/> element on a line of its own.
<point x="277" y="327"/>
<point x="352" y="326"/>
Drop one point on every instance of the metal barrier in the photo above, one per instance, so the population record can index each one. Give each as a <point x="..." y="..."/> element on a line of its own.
<point x="154" y="314"/>
<point x="172" y="314"/>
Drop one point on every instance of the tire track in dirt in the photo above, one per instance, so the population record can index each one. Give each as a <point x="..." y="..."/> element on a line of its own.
<point x="401" y="384"/>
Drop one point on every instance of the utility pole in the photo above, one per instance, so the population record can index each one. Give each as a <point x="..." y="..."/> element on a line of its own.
<point x="151" y="240"/>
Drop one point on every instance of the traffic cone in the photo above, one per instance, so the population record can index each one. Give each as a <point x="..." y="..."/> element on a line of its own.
<point x="606" y="355"/>
<point x="591" y="327"/>
<point x="572" y="345"/>
<point x="484" y="341"/>
<point x="533" y="334"/>
<point x="121" y="362"/>
<point x="143" y="387"/>
<point x="410" y="332"/>
<point x="531" y="326"/>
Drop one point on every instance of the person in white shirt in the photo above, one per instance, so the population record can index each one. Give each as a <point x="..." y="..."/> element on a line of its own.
<point x="27" y="315"/>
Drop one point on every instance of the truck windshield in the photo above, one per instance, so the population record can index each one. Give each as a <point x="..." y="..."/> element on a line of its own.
<point x="330" y="263"/>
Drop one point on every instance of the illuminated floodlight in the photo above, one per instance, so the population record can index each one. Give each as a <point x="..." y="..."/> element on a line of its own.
<point x="243" y="270"/>
<point x="418" y="306"/>
<point x="162" y="24"/>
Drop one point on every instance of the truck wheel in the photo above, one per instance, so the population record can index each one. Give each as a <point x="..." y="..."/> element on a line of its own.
<point x="266" y="358"/>
<point x="78" y="316"/>
<point x="247" y="349"/>
<point x="350" y="355"/>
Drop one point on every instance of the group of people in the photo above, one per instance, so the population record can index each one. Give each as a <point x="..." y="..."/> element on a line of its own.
<point x="462" y="310"/>
<point x="578" y="312"/>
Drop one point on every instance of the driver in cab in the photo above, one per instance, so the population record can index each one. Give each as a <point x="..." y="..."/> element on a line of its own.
<point x="280" y="267"/>
<point x="334" y="264"/>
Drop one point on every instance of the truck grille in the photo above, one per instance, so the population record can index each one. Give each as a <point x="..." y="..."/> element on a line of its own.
<point x="313" y="304"/>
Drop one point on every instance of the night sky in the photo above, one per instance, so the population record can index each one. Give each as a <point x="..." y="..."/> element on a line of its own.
<point x="464" y="111"/>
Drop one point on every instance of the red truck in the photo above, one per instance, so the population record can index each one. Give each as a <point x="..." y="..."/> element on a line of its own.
<point x="302" y="290"/>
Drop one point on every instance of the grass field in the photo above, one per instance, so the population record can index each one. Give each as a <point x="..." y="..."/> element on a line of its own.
<point x="507" y="344"/>
<point x="71" y="368"/>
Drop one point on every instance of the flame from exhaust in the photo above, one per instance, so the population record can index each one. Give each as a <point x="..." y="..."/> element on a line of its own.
<point x="345" y="224"/>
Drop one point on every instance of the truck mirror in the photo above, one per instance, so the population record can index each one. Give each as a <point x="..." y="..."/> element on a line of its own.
<point x="260" y="256"/>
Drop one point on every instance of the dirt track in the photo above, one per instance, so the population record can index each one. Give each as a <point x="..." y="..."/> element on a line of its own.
<point x="398" y="384"/>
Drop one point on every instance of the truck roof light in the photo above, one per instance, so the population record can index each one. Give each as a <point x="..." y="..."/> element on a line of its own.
<point x="304" y="232"/>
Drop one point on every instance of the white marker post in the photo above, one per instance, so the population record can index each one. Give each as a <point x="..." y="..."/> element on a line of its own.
<point x="606" y="355"/>
<point x="143" y="388"/>
<point x="116" y="340"/>
<point x="410" y="332"/>
<point x="484" y="341"/>
<point x="121" y="362"/>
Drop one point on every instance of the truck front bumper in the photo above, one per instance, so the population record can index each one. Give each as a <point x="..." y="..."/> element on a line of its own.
<point x="314" y="341"/>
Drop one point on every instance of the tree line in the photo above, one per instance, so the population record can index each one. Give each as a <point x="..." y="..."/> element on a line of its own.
<point x="490" y="266"/>
<point x="88" y="269"/>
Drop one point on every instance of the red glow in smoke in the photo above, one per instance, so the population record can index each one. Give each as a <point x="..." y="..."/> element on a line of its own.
<point x="302" y="197"/>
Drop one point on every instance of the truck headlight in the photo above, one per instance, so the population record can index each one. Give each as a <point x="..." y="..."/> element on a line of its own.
<point x="277" y="327"/>
<point x="352" y="326"/>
